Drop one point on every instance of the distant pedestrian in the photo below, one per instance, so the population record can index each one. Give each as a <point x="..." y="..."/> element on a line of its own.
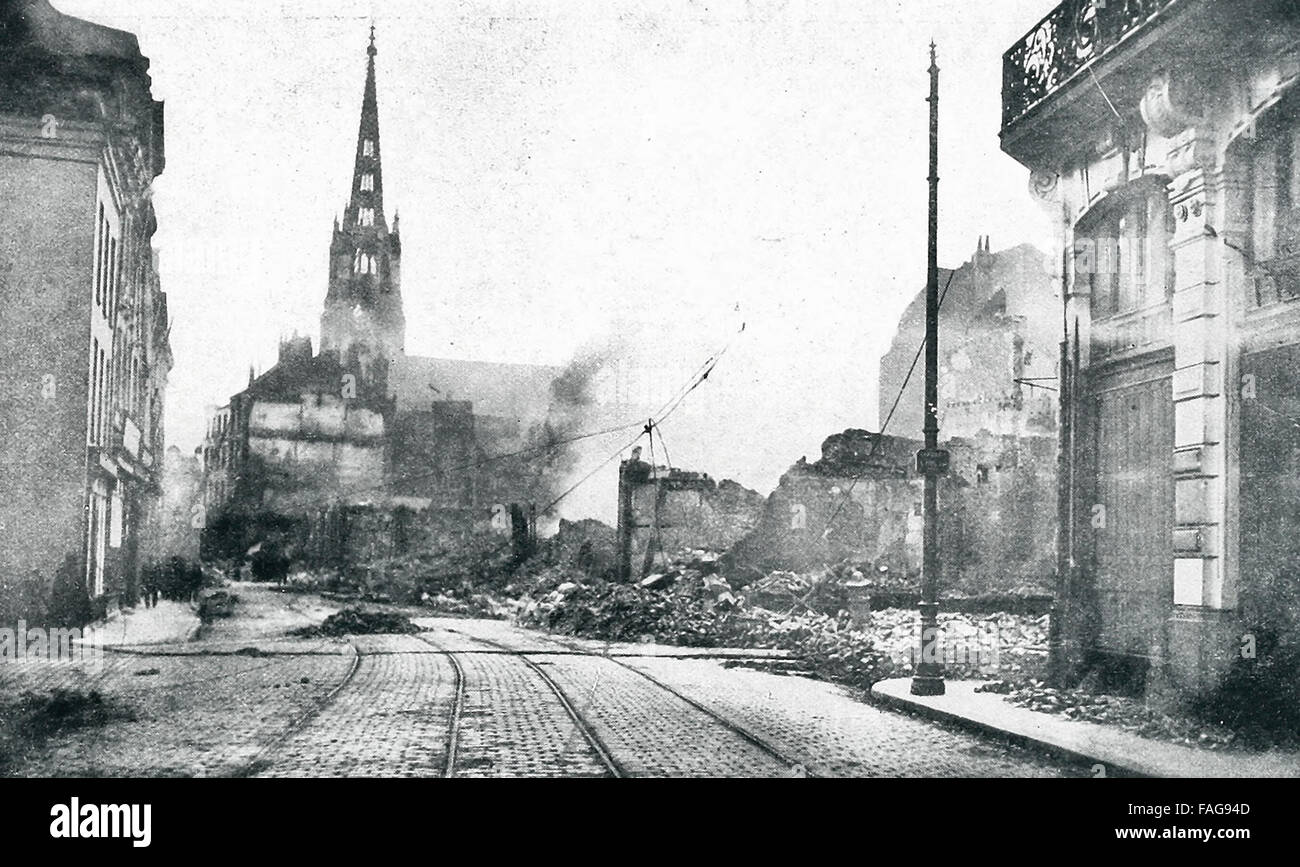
<point x="149" y="586"/>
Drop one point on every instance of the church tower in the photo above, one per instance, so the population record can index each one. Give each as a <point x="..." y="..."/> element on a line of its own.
<point x="363" y="323"/>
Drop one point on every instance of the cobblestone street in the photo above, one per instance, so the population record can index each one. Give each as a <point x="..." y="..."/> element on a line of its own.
<point x="472" y="698"/>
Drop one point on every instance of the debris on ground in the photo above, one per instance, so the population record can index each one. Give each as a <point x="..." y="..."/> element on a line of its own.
<point x="360" y="621"/>
<point x="1130" y="714"/>
<point x="216" y="603"/>
<point x="37" y="715"/>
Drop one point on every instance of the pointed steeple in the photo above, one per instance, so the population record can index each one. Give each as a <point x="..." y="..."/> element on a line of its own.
<point x="363" y="306"/>
<point x="367" y="174"/>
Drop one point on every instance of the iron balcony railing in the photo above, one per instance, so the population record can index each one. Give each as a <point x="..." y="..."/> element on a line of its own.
<point x="1073" y="35"/>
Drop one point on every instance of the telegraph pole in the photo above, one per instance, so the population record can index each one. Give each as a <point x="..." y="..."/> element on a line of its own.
<point x="930" y="461"/>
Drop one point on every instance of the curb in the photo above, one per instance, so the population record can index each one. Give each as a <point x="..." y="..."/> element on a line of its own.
<point x="1113" y="768"/>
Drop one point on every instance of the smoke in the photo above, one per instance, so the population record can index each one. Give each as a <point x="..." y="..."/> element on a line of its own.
<point x="557" y="450"/>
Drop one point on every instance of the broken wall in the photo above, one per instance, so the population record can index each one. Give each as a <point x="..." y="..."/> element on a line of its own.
<point x="668" y="510"/>
<point x="862" y="502"/>
<point x="318" y="449"/>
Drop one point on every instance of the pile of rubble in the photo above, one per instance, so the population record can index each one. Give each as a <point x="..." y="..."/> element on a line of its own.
<point x="361" y="621"/>
<point x="971" y="645"/>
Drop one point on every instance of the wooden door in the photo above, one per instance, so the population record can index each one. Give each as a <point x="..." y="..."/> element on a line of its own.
<point x="1133" y="536"/>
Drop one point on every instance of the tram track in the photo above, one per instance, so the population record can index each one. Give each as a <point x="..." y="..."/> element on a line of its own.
<point x="588" y="731"/>
<point x="263" y="758"/>
<point x="597" y="746"/>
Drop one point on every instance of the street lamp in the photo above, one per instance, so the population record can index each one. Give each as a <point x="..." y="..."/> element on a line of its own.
<point x="931" y="460"/>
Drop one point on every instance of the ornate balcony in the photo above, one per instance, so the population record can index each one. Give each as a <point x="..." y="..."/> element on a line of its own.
<point x="1059" y="47"/>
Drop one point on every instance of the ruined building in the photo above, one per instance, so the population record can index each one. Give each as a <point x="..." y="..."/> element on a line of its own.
<point x="664" y="510"/>
<point x="361" y="422"/>
<point x="860" y="501"/>
<point x="999" y="338"/>
<point x="84" y="335"/>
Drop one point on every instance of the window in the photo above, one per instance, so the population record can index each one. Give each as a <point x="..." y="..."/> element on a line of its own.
<point x="96" y="538"/>
<point x="101" y="250"/>
<point x="110" y="301"/>
<point x="368" y="148"/>
<point x="98" y="403"/>
<point x="367" y="182"/>
<point x="101" y="398"/>
<point x="1272" y="162"/>
<point x="366" y="217"/>
<point x="107" y="280"/>
<point x="1275" y="192"/>
<point x="1123" y="254"/>
<point x="364" y="263"/>
<point x="92" y="417"/>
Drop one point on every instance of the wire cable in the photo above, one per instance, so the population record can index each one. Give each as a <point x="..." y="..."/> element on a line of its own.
<point x="880" y="435"/>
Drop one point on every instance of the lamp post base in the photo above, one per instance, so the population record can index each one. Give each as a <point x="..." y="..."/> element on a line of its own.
<point x="928" y="679"/>
<point x="927" y="684"/>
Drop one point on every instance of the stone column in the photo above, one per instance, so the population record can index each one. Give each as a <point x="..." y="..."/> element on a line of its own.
<point x="1201" y="593"/>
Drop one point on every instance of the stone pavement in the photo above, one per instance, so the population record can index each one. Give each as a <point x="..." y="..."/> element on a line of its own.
<point x="822" y="729"/>
<point x="387" y="719"/>
<point x="167" y="622"/>
<point x="244" y="697"/>
<point x="1116" y="750"/>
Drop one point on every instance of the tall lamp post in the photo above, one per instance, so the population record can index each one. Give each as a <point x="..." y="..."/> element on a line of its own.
<point x="931" y="461"/>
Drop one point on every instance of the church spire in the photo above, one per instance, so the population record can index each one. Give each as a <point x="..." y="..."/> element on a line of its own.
<point x="366" y="201"/>
<point x="363" y="306"/>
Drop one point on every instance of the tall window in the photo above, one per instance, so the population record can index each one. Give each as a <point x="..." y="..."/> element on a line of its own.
<point x="1272" y="161"/>
<point x="368" y="148"/>
<point x="96" y="537"/>
<point x="101" y="252"/>
<point x="107" y="265"/>
<point x="366" y="216"/>
<point x="367" y="182"/>
<point x="365" y="263"/>
<point x="110" y="302"/>
<point x="1275" y="193"/>
<point x="1123" y="254"/>
<point x="92" y="416"/>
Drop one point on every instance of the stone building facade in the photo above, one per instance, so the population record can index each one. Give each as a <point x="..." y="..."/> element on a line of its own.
<point x="84" y="335"/>
<point x="1161" y="138"/>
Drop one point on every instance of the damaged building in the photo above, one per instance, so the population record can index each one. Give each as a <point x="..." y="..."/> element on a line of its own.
<point x="664" y="510"/>
<point x="361" y="424"/>
<point x="999" y="342"/>
<point x="861" y="500"/>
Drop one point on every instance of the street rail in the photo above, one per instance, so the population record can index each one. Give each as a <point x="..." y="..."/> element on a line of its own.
<point x="584" y="728"/>
<point x="745" y="734"/>
<point x="262" y="760"/>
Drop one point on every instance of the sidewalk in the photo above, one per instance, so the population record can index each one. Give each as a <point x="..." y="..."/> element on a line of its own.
<point x="1121" y="752"/>
<point x="168" y="623"/>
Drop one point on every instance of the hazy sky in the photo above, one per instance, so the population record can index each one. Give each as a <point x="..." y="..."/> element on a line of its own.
<point x="560" y="165"/>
